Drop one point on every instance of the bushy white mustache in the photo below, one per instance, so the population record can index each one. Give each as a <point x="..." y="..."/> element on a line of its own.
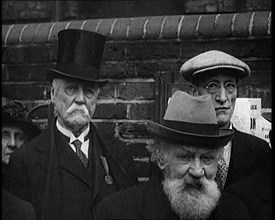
<point x="75" y="107"/>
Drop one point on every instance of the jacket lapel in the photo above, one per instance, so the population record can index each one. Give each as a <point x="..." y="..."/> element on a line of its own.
<point x="237" y="151"/>
<point x="96" y="152"/>
<point x="114" y="160"/>
<point x="43" y="150"/>
<point x="68" y="161"/>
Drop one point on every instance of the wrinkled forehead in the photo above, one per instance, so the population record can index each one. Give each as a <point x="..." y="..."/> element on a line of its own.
<point x="198" y="150"/>
<point x="12" y="129"/>
<point x="215" y="75"/>
<point x="64" y="81"/>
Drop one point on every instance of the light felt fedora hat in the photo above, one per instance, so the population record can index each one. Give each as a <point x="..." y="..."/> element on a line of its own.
<point x="191" y="120"/>
<point x="212" y="60"/>
<point x="79" y="56"/>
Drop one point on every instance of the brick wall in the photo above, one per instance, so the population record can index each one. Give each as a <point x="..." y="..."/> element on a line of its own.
<point x="137" y="51"/>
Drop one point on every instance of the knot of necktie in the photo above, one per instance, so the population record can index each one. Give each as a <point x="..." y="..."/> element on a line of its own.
<point x="77" y="143"/>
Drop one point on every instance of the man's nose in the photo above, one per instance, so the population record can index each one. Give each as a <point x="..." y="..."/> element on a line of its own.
<point x="80" y="98"/>
<point x="12" y="144"/>
<point x="196" y="169"/>
<point x="12" y="147"/>
<point x="222" y="94"/>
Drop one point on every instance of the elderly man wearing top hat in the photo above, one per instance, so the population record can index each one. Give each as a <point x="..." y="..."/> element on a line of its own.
<point x="186" y="148"/>
<point x="72" y="166"/>
<point x="218" y="73"/>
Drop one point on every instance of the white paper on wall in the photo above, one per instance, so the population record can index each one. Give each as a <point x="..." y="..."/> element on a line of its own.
<point x="247" y="117"/>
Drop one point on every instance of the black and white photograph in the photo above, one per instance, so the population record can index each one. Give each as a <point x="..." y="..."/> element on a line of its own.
<point x="137" y="109"/>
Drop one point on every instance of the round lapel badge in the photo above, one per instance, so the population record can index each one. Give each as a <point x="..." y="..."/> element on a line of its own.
<point x="108" y="179"/>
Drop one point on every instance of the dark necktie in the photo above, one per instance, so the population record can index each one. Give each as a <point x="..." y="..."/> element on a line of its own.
<point x="221" y="174"/>
<point x="77" y="143"/>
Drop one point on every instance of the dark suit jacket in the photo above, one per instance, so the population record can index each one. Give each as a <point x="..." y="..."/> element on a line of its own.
<point x="14" y="208"/>
<point x="47" y="173"/>
<point x="148" y="201"/>
<point x="248" y="155"/>
<point x="255" y="192"/>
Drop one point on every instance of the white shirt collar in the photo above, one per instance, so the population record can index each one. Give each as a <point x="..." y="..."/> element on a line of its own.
<point x="70" y="135"/>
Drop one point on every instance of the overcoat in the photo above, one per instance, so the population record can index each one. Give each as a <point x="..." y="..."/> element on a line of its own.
<point x="14" y="208"/>
<point x="47" y="173"/>
<point x="256" y="193"/>
<point x="248" y="156"/>
<point x="148" y="201"/>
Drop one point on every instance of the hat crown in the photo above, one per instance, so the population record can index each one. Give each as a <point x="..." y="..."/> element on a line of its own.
<point x="12" y="110"/>
<point x="211" y="60"/>
<point x="79" y="56"/>
<point x="13" y="113"/>
<point x="80" y="47"/>
<point x="191" y="120"/>
<point x="186" y="108"/>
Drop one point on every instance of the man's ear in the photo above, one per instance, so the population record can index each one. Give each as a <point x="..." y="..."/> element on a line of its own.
<point x="161" y="162"/>
<point x="52" y="93"/>
<point x="193" y="90"/>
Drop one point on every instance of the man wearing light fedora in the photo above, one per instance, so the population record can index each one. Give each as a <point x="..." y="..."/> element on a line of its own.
<point x="72" y="166"/>
<point x="218" y="73"/>
<point x="186" y="149"/>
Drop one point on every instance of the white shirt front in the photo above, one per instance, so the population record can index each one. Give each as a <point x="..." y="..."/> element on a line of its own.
<point x="69" y="134"/>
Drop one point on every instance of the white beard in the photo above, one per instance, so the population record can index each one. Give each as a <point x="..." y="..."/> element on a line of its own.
<point x="192" y="199"/>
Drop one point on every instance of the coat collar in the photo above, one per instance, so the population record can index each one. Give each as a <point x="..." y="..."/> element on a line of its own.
<point x="153" y="202"/>
<point x="114" y="158"/>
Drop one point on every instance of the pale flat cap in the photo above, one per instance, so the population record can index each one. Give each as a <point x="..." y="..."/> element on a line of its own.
<point x="211" y="60"/>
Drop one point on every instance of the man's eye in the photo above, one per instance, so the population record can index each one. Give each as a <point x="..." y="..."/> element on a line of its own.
<point x="208" y="159"/>
<point x="184" y="157"/>
<point x="230" y="85"/>
<point x="70" y="90"/>
<point x="5" y="135"/>
<point x="18" y="137"/>
<point x="89" y="93"/>
<point x="212" y="85"/>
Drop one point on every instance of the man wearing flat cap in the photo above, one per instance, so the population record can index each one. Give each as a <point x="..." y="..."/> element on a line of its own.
<point x="72" y="166"/>
<point x="217" y="73"/>
<point x="186" y="148"/>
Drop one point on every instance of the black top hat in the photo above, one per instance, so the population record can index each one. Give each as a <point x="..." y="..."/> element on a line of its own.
<point x="79" y="56"/>
<point x="13" y="114"/>
<point x="191" y="120"/>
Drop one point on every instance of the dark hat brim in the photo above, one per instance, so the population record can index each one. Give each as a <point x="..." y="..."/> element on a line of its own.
<point x="207" y="141"/>
<point x="30" y="129"/>
<point x="52" y="73"/>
